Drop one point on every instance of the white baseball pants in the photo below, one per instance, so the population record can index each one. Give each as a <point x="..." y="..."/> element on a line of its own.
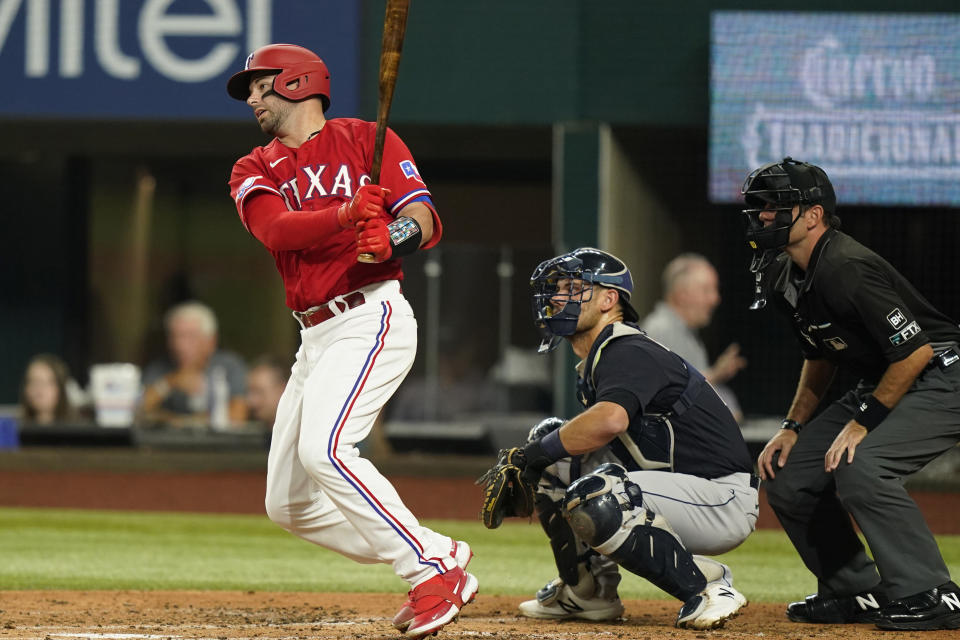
<point x="318" y="485"/>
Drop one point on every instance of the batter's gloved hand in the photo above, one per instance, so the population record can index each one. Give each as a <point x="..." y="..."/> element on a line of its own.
<point x="373" y="237"/>
<point x="367" y="203"/>
<point x="386" y="241"/>
<point x="505" y="492"/>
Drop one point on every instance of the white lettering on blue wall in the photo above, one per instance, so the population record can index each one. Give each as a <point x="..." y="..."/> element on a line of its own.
<point x="61" y="37"/>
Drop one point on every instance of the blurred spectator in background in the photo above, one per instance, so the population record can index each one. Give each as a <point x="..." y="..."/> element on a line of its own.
<point x="690" y="294"/>
<point x="197" y="383"/>
<point x="461" y="388"/>
<point x="44" y="394"/>
<point x="266" y="381"/>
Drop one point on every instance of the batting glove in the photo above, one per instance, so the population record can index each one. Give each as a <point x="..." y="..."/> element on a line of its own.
<point x="385" y="241"/>
<point x="367" y="203"/>
<point x="373" y="238"/>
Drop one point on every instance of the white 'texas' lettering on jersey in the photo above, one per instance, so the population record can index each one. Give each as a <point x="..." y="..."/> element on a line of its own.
<point x="342" y="183"/>
<point x="315" y="184"/>
<point x="321" y="183"/>
<point x="291" y="186"/>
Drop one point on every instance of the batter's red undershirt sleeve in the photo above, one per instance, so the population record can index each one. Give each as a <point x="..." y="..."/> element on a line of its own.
<point x="280" y="229"/>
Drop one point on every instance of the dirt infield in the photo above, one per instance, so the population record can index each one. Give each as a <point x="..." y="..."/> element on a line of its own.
<point x="201" y="615"/>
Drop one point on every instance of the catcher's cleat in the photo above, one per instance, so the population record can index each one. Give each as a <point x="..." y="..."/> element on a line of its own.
<point x="711" y="608"/>
<point x="938" y="608"/>
<point x="860" y="608"/>
<point x="462" y="553"/>
<point x="439" y="600"/>
<point x="557" y="601"/>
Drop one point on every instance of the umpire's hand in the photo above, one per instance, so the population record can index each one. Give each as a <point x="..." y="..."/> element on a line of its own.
<point x="846" y="441"/>
<point x="781" y="443"/>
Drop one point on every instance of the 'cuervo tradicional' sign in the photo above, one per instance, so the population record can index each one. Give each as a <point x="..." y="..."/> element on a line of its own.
<point x="870" y="98"/>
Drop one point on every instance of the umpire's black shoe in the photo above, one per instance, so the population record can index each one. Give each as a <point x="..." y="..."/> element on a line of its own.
<point x="862" y="607"/>
<point x="938" y="608"/>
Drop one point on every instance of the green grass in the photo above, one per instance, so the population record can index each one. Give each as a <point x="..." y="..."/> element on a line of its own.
<point x="74" y="549"/>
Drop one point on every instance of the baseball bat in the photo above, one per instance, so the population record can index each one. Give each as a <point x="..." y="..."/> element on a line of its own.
<point x="394" y="28"/>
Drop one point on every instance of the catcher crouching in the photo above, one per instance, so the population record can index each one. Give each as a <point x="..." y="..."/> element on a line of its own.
<point x="653" y="476"/>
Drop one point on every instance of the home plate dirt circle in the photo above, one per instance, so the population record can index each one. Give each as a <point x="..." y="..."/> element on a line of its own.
<point x="244" y="615"/>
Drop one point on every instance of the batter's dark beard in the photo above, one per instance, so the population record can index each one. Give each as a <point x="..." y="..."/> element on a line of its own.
<point x="272" y="124"/>
<point x="269" y="126"/>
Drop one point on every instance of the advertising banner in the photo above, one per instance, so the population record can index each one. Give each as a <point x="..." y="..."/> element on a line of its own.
<point x="871" y="98"/>
<point x="161" y="59"/>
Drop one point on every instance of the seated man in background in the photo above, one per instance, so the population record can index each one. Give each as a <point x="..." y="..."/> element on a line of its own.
<point x="690" y="294"/>
<point x="266" y="381"/>
<point x="196" y="383"/>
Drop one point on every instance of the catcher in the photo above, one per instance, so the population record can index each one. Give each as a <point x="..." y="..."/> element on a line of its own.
<point x="653" y="476"/>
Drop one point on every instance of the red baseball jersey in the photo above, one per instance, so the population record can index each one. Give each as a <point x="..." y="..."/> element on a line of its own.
<point x="326" y="171"/>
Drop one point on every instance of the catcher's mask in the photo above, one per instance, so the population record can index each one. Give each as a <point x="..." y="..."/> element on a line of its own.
<point x="779" y="187"/>
<point x="561" y="284"/>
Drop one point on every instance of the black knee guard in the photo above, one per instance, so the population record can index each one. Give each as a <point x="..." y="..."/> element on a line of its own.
<point x="606" y="510"/>
<point x="566" y="548"/>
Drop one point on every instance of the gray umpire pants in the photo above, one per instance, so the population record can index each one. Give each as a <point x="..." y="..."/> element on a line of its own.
<point x="814" y="506"/>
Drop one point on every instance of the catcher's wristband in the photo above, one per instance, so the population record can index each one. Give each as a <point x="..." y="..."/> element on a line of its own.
<point x="553" y="447"/>
<point x="792" y="425"/>
<point x="871" y="412"/>
<point x="541" y="453"/>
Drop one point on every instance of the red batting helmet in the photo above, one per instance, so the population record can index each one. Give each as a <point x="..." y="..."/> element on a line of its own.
<point x="292" y="63"/>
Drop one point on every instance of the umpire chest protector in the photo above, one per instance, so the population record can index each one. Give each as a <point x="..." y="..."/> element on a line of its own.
<point x="649" y="441"/>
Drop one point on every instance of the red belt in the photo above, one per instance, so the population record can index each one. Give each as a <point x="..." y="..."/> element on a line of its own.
<point x="324" y="312"/>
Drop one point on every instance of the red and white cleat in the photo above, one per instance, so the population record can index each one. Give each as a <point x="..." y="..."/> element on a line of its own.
<point x="438" y="601"/>
<point x="462" y="553"/>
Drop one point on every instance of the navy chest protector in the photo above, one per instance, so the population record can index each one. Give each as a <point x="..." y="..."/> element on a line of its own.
<point x="649" y="441"/>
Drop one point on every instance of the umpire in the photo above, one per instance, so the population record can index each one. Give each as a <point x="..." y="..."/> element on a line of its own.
<point x="851" y="310"/>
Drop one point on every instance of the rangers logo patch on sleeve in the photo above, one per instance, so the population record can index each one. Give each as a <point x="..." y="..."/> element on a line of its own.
<point x="896" y="318"/>
<point x="410" y="170"/>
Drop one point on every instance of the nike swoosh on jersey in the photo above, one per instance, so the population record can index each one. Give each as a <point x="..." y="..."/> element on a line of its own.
<point x="276" y="162"/>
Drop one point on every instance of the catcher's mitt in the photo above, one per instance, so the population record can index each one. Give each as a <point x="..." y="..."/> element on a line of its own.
<point x="505" y="492"/>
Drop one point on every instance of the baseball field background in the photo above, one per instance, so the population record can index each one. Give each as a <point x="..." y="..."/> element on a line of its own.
<point x="132" y="573"/>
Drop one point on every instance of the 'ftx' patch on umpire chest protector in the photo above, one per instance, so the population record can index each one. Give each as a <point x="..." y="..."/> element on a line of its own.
<point x="905" y="334"/>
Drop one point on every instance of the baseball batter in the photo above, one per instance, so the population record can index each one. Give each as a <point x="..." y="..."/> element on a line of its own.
<point x="307" y="197"/>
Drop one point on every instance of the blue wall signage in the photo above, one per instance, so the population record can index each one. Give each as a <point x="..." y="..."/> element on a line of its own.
<point x="871" y="98"/>
<point x="161" y="59"/>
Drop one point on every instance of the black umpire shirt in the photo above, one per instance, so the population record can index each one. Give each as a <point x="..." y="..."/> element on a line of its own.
<point x="646" y="379"/>
<point x="853" y="309"/>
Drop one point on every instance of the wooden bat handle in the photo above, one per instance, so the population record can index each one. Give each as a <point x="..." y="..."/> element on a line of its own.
<point x="394" y="28"/>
